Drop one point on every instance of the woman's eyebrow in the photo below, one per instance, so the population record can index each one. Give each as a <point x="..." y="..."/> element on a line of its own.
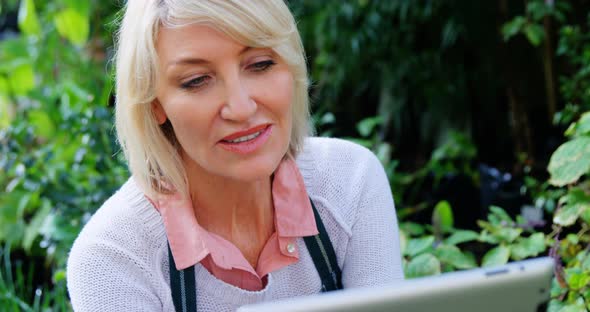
<point x="198" y="61"/>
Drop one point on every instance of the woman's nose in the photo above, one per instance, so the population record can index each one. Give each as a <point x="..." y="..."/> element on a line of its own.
<point x="239" y="105"/>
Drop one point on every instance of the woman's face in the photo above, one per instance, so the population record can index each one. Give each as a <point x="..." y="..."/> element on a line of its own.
<point x="229" y="105"/>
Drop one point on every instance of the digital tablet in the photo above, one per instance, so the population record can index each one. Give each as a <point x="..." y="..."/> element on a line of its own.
<point x="521" y="286"/>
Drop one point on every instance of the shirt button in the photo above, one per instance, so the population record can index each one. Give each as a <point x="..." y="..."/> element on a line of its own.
<point x="290" y="248"/>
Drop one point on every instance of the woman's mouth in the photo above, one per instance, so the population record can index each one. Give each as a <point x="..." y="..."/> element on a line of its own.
<point x="245" y="142"/>
<point x="245" y="138"/>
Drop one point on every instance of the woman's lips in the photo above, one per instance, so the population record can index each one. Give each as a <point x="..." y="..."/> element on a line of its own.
<point x="247" y="132"/>
<point x="246" y="142"/>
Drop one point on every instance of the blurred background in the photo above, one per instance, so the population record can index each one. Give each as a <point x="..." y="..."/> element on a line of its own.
<point x="466" y="103"/>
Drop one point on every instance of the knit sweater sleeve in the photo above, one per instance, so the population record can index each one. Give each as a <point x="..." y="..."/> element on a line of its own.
<point x="373" y="253"/>
<point x="110" y="266"/>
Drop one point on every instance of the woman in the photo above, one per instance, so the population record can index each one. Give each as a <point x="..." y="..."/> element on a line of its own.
<point x="212" y="114"/>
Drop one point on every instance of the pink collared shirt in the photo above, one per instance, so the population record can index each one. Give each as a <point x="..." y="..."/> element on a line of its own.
<point x="190" y="243"/>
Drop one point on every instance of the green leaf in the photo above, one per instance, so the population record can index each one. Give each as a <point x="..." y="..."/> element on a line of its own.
<point x="554" y="305"/>
<point x="419" y="245"/>
<point x="58" y="276"/>
<point x="22" y="79"/>
<point x="572" y="238"/>
<point x="42" y="124"/>
<point x="461" y="236"/>
<point x="570" y="161"/>
<point x="82" y="6"/>
<point x="442" y="216"/>
<point x="576" y="278"/>
<point x="577" y="306"/>
<point x="4" y="86"/>
<point x="455" y="257"/>
<point x="73" y="25"/>
<point x="486" y="237"/>
<point x="556" y="289"/>
<point x="528" y="247"/>
<point x="534" y="33"/>
<point x="585" y="215"/>
<point x="496" y="256"/>
<point x="569" y="214"/>
<point x="327" y="118"/>
<point x="365" y="127"/>
<point x="580" y="127"/>
<point x="574" y="203"/>
<point x="5" y="111"/>
<point x="423" y="265"/>
<point x="28" y="22"/>
<point x="32" y="230"/>
<point x="403" y="241"/>
<point x="513" y="27"/>
<point x="412" y="228"/>
<point x="507" y="235"/>
<point x="383" y="153"/>
<point x="497" y="216"/>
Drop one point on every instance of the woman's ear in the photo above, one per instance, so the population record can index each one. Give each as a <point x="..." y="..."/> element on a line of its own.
<point x="159" y="112"/>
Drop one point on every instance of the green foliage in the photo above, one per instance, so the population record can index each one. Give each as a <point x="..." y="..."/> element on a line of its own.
<point x="530" y="25"/>
<point x="393" y="73"/>
<point x="58" y="157"/>
<point x="15" y="292"/>
<point x="572" y="217"/>
<point x="500" y="236"/>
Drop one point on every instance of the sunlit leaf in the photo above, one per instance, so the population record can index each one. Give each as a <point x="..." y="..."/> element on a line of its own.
<point x="576" y="278"/>
<point x="22" y="79"/>
<point x="58" y="276"/>
<point x="569" y="214"/>
<point x="513" y="27"/>
<point x="570" y="161"/>
<point x="28" y="22"/>
<point x="528" y="247"/>
<point x="403" y="241"/>
<point x="412" y="228"/>
<point x="442" y="216"/>
<point x="534" y="33"/>
<point x="366" y="126"/>
<point x="73" y="25"/>
<point x="419" y="245"/>
<point x="498" y="215"/>
<point x="32" y="229"/>
<point x="455" y="257"/>
<point x="42" y="123"/>
<point x="580" y="127"/>
<point x="497" y="256"/>
<point x="423" y="265"/>
<point x="461" y="236"/>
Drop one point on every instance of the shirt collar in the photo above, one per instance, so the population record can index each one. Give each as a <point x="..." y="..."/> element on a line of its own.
<point x="190" y="242"/>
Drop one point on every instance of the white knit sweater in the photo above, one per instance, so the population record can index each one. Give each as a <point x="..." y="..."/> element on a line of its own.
<point x="119" y="262"/>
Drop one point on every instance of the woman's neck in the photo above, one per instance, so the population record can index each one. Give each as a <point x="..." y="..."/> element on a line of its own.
<point x="241" y="212"/>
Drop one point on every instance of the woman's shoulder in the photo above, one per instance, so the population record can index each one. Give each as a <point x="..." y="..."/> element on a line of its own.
<point x="338" y="172"/>
<point x="118" y="253"/>
<point x="335" y="156"/>
<point x="126" y="221"/>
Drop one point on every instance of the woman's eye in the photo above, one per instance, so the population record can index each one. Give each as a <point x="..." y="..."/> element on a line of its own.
<point x="262" y="66"/>
<point x="195" y="83"/>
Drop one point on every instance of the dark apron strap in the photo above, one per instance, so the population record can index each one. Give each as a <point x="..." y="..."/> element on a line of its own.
<point x="322" y="253"/>
<point x="320" y="248"/>
<point x="183" y="286"/>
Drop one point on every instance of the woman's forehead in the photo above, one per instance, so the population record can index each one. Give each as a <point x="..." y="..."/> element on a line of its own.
<point x="194" y="43"/>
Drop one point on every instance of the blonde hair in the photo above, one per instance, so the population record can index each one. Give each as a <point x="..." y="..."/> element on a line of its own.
<point x="151" y="152"/>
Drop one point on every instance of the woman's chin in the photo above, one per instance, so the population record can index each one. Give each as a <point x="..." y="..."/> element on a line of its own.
<point x="252" y="172"/>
